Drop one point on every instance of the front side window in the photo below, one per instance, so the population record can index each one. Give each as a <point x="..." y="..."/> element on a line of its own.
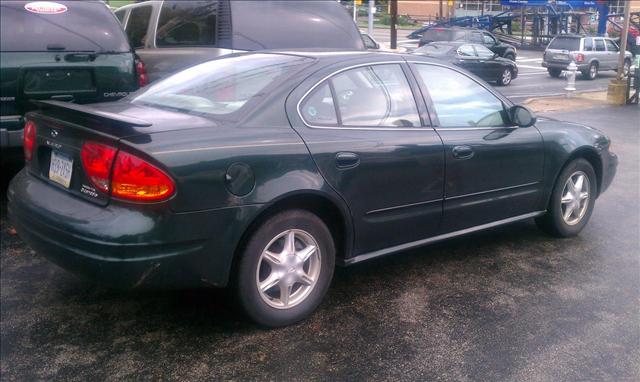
<point x="599" y="45"/>
<point x="137" y="25"/>
<point x="318" y="109"/>
<point x="488" y="39"/>
<point x="459" y="101"/>
<point x="611" y="46"/>
<point x="120" y="15"/>
<point x="187" y="23"/>
<point x="375" y="96"/>
<point x="220" y="87"/>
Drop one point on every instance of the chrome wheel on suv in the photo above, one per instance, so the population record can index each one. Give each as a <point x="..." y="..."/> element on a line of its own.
<point x="592" y="72"/>
<point x="505" y="78"/>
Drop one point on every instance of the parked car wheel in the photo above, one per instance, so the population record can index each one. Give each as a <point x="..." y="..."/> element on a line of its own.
<point x="555" y="73"/>
<point x="572" y="200"/>
<point x="510" y="56"/>
<point x="592" y="72"/>
<point x="286" y="268"/>
<point x="626" y="67"/>
<point x="505" y="77"/>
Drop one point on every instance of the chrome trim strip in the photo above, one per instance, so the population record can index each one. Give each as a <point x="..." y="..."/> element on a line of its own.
<point x="226" y="147"/>
<point x="418" y="243"/>
<point x="422" y="128"/>
<point x="403" y="206"/>
<point x="488" y="191"/>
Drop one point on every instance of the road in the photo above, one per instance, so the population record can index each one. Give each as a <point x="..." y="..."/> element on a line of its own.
<point x="509" y="304"/>
<point x="533" y="80"/>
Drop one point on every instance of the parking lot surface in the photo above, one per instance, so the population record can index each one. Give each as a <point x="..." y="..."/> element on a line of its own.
<point x="509" y="304"/>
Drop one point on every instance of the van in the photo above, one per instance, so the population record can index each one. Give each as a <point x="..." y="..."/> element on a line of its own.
<point x="172" y="35"/>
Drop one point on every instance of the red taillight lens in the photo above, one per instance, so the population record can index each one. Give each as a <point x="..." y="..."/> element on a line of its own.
<point x="141" y="71"/>
<point x="135" y="179"/>
<point x="97" y="160"/>
<point x="580" y="57"/>
<point x="29" y="142"/>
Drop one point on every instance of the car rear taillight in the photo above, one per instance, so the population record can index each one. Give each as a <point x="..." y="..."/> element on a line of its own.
<point x="125" y="175"/>
<point x="580" y="57"/>
<point x="141" y="72"/>
<point x="137" y="180"/>
<point x="29" y="140"/>
<point x="97" y="160"/>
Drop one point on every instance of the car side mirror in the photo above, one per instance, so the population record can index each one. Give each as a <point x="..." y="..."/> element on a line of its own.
<point x="521" y="116"/>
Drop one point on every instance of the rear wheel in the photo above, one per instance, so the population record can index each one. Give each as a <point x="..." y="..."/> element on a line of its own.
<point x="626" y="67"/>
<point x="553" y="72"/>
<point x="286" y="268"/>
<point x="592" y="72"/>
<point x="510" y="56"/>
<point x="572" y="200"/>
<point x="505" y="77"/>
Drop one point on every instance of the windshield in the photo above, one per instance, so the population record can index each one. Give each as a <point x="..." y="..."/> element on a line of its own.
<point x="66" y="26"/>
<point x="434" y="49"/>
<point x="565" y="43"/>
<point x="222" y="86"/>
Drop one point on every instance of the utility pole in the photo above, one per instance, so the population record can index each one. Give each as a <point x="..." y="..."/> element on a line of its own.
<point x="372" y="10"/>
<point x="623" y="39"/>
<point x="441" y="15"/>
<point x="355" y="12"/>
<point x="394" y="21"/>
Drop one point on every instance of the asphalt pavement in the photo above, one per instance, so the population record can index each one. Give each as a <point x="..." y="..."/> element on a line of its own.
<point x="509" y="304"/>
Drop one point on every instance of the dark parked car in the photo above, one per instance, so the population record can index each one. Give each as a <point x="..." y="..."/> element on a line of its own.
<point x="172" y="35"/>
<point x="473" y="57"/>
<point x="260" y="171"/>
<point x="66" y="50"/>
<point x="471" y="35"/>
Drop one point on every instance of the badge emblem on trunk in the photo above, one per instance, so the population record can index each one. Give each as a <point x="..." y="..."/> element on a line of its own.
<point x="54" y="133"/>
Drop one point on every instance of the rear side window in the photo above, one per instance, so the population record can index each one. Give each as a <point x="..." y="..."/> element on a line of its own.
<point x="138" y="24"/>
<point x="565" y="43"/>
<point x="187" y="23"/>
<point x="318" y="109"/>
<point x="588" y="44"/>
<point x="599" y="45"/>
<point x="79" y="26"/>
<point x="375" y="96"/>
<point x="466" y="51"/>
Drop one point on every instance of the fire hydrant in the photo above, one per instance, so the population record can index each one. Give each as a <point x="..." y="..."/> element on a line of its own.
<point x="571" y="79"/>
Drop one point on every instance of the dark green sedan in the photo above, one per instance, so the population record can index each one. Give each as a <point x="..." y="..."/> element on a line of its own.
<point x="262" y="171"/>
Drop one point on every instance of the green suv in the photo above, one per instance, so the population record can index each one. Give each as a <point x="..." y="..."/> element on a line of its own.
<point x="73" y="51"/>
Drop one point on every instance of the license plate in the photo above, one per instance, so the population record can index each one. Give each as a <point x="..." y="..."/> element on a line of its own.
<point x="559" y="57"/>
<point x="60" y="168"/>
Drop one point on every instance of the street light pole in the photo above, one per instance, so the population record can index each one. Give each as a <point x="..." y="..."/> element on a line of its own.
<point x="372" y="10"/>
<point x="623" y="39"/>
<point x="394" y="20"/>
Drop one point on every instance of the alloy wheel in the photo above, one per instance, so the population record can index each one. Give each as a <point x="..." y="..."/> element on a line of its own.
<point x="288" y="269"/>
<point x="575" y="198"/>
<point x="593" y="71"/>
<point x="506" y="77"/>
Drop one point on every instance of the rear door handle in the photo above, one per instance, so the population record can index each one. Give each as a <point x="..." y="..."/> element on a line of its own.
<point x="462" y="152"/>
<point x="346" y="160"/>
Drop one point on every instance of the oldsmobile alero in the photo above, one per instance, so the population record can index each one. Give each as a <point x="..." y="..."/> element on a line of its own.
<point x="260" y="171"/>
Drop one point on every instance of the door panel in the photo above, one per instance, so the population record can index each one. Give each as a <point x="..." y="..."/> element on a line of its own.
<point x="386" y="166"/>
<point x="493" y="170"/>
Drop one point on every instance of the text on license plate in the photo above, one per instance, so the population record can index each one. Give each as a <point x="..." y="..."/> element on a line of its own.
<point x="559" y="57"/>
<point x="60" y="168"/>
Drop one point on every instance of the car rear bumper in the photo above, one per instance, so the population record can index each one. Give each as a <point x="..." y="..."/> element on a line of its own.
<point x="126" y="247"/>
<point x="11" y="127"/>
<point x="563" y="65"/>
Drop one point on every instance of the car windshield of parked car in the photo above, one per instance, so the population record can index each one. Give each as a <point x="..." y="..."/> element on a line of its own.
<point x="69" y="26"/>
<point x="434" y="50"/>
<point x="220" y="86"/>
<point x="565" y="43"/>
<point x="460" y="101"/>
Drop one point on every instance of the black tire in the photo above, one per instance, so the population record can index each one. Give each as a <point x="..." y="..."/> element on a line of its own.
<point x="249" y="296"/>
<point x="510" y="56"/>
<point x="626" y="67"/>
<point x="592" y="72"/>
<point x="505" y="77"/>
<point x="553" y="72"/>
<point x="552" y="221"/>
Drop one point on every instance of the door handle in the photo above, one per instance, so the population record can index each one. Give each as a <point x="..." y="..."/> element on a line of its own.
<point x="346" y="160"/>
<point x="462" y="152"/>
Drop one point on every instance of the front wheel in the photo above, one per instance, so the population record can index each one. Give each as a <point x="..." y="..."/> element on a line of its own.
<point x="572" y="200"/>
<point x="626" y="68"/>
<point x="286" y="268"/>
<point x="505" y="77"/>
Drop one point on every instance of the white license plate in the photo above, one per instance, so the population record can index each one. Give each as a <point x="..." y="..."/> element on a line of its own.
<point x="60" y="168"/>
<point x="559" y="57"/>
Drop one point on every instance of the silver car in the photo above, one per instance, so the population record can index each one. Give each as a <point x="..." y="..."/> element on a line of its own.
<point x="591" y="55"/>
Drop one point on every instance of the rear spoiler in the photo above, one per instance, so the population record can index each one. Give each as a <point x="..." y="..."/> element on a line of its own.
<point x="88" y="110"/>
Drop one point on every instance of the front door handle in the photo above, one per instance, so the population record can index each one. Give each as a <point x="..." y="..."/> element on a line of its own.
<point x="462" y="152"/>
<point x="346" y="160"/>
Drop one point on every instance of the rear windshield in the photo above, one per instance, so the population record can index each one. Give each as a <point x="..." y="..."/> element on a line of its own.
<point x="434" y="49"/>
<point x="439" y="34"/>
<point x="222" y="86"/>
<point x="565" y="43"/>
<point x="60" y="26"/>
